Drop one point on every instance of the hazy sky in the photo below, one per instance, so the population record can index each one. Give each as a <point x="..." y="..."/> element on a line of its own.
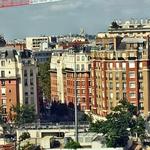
<point x="68" y="16"/>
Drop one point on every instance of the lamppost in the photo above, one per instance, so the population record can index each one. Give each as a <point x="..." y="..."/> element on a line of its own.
<point x="75" y="100"/>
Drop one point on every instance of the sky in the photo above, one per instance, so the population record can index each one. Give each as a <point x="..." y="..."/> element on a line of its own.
<point x="69" y="16"/>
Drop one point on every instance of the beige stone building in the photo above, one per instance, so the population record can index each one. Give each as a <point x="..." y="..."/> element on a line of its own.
<point x="18" y="83"/>
<point x="62" y="76"/>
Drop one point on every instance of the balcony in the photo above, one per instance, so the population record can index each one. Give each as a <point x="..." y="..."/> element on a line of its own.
<point x="132" y="58"/>
<point x="120" y="58"/>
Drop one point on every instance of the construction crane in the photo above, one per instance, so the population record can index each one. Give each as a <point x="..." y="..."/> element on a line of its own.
<point x="11" y="3"/>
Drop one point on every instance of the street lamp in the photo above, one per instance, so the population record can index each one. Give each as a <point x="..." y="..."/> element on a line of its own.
<point x="75" y="100"/>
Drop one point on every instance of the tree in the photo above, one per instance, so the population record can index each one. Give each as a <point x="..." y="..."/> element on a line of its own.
<point x="72" y="144"/>
<point x="114" y="25"/>
<point x="24" y="136"/>
<point x="24" y="114"/>
<point x="122" y="122"/>
<point x="44" y="78"/>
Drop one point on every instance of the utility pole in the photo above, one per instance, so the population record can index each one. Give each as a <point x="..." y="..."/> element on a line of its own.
<point x="75" y="100"/>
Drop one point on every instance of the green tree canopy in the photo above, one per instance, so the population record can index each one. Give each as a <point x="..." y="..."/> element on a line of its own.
<point x="72" y="145"/>
<point x="24" y="136"/>
<point x="115" y="25"/>
<point x="44" y="78"/>
<point x="24" y="114"/>
<point x="122" y="122"/>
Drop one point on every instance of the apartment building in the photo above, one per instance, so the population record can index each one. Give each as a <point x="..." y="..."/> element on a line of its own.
<point x="16" y="44"/>
<point x="36" y="43"/>
<point x="123" y="73"/>
<point x="40" y="42"/>
<point x="62" y="76"/>
<point x="132" y="28"/>
<point x="17" y="80"/>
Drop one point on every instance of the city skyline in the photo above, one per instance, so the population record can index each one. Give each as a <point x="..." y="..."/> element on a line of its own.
<point x="68" y="16"/>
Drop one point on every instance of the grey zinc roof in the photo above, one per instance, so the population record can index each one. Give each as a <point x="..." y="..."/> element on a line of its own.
<point x="7" y="53"/>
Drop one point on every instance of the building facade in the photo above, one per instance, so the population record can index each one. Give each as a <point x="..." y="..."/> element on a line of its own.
<point x="123" y="73"/>
<point x="16" y="44"/>
<point x="130" y="28"/>
<point x="17" y="80"/>
<point x="62" y="76"/>
<point x="37" y="43"/>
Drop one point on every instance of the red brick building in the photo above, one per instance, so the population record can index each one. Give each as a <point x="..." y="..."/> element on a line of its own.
<point x="119" y="74"/>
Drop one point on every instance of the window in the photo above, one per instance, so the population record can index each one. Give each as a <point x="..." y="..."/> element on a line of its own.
<point x="3" y="101"/>
<point x="82" y="67"/>
<point x="3" y="82"/>
<point x="31" y="81"/>
<point x="25" y="82"/>
<point x="117" y="75"/>
<point x="141" y="95"/>
<point x="110" y="85"/>
<point x="83" y="58"/>
<point x="140" y="75"/>
<point x="103" y="94"/>
<point x="78" y="58"/>
<point x="141" y="106"/>
<point x="123" y="76"/>
<point x="9" y="91"/>
<point x="25" y="73"/>
<point x="26" y="93"/>
<point x="117" y="86"/>
<point x="2" y="63"/>
<point x="26" y="100"/>
<point x="117" y="65"/>
<point x="3" y="90"/>
<point x="2" y="74"/>
<point x="83" y="83"/>
<point x="110" y="76"/>
<point x="141" y="85"/>
<point x="111" y="95"/>
<point x="3" y="110"/>
<point x="124" y="95"/>
<point x="131" y="74"/>
<point x="131" y="64"/>
<point x="83" y="99"/>
<point x="31" y="72"/>
<point x="132" y="84"/>
<point x="78" y="67"/>
<point x="124" y="86"/>
<point x="140" y="65"/>
<point x="132" y="95"/>
<point x="117" y="96"/>
<point x="83" y="91"/>
<point x="123" y="66"/>
<point x="78" y="83"/>
<point x="111" y="65"/>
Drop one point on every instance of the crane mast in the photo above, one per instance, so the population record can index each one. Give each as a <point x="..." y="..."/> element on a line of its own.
<point x="11" y="3"/>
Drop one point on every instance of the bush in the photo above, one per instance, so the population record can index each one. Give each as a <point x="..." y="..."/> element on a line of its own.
<point x="72" y="144"/>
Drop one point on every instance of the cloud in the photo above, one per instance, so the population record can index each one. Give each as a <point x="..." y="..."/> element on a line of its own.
<point x="65" y="16"/>
<point x="66" y="5"/>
